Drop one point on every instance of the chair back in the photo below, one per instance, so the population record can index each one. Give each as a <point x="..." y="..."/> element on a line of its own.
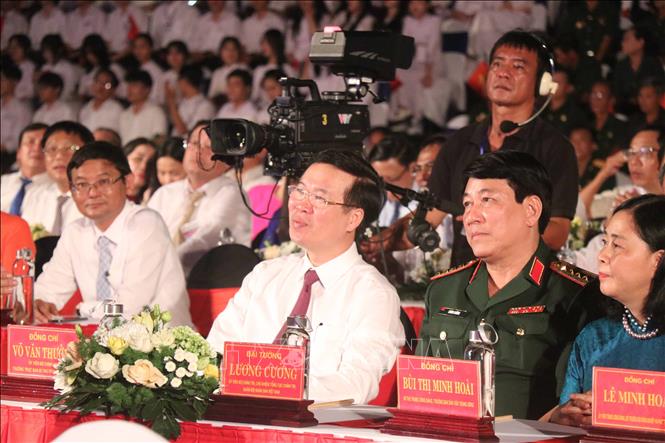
<point x="44" y="247"/>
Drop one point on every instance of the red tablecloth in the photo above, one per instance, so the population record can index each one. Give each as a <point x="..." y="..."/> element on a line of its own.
<point x="19" y="425"/>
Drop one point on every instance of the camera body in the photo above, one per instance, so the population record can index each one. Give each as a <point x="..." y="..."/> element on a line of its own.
<point x="300" y="128"/>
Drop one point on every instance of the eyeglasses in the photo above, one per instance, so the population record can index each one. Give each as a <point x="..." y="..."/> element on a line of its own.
<point x="299" y="193"/>
<point x="53" y="151"/>
<point x="102" y="185"/>
<point x="642" y="153"/>
<point x="422" y="168"/>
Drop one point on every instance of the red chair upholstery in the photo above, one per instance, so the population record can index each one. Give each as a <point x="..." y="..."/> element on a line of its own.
<point x="72" y="303"/>
<point x="206" y="304"/>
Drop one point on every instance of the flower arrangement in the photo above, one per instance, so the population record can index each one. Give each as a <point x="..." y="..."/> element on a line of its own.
<point x="580" y="232"/>
<point x="38" y="231"/>
<point x="140" y="368"/>
<point x="418" y="275"/>
<point x="271" y="251"/>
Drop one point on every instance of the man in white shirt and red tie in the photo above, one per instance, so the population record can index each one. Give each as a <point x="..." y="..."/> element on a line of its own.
<point x="353" y="309"/>
<point x="118" y="251"/>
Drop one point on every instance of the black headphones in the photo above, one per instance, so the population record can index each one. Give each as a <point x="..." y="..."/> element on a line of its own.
<point x="545" y="85"/>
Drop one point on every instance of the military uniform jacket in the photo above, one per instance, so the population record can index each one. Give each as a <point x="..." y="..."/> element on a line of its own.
<point x="537" y="316"/>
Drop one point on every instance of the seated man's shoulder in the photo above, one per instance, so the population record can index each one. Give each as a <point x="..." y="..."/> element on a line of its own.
<point x="165" y="191"/>
<point x="456" y="274"/>
<point x="146" y="220"/>
<point x="570" y="274"/>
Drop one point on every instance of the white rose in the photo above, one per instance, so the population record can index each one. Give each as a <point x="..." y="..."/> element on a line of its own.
<point x="136" y="335"/>
<point x="61" y="382"/>
<point x="143" y="372"/>
<point x="170" y="366"/>
<point x="163" y="338"/>
<point x="179" y="355"/>
<point x="176" y="382"/>
<point x="182" y="373"/>
<point x="102" y="366"/>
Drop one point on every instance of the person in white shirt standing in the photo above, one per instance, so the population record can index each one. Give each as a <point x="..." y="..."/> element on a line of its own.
<point x="143" y="118"/>
<point x="15" y="113"/>
<point x="118" y="252"/>
<point x="50" y="204"/>
<point x="175" y="21"/>
<point x="193" y="106"/>
<point x="30" y="160"/>
<point x="103" y="110"/>
<point x="198" y="209"/>
<point x="53" y="108"/>
<point x="354" y="310"/>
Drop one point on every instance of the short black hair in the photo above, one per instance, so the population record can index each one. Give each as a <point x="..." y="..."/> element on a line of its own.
<point x="434" y="139"/>
<point x="524" y="174"/>
<point x="55" y="44"/>
<point x="273" y="74"/>
<point x="111" y="74"/>
<point x="68" y="127"/>
<point x="95" y="44"/>
<point x="135" y="143"/>
<point x="394" y="146"/>
<point x="10" y="71"/>
<point x="366" y="192"/>
<point x="23" y="41"/>
<point x="521" y="39"/>
<point x="115" y="137"/>
<point x="31" y="127"/>
<point x="147" y="38"/>
<point x="173" y="147"/>
<point x="647" y="212"/>
<point x="652" y="82"/>
<point x="50" y="79"/>
<point x="179" y="46"/>
<point x="243" y="75"/>
<point x="231" y="39"/>
<point x="193" y="75"/>
<point x="139" y="76"/>
<point x="99" y="150"/>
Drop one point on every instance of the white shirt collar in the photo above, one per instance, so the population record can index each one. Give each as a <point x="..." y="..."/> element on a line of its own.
<point x="334" y="269"/>
<point x="115" y="231"/>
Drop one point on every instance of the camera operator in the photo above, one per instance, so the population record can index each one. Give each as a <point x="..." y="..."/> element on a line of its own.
<point x="520" y="71"/>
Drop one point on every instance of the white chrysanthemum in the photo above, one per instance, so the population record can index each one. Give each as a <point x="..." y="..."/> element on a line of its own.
<point x="192" y="367"/>
<point x="170" y="366"/>
<point x="182" y="373"/>
<point x="190" y="357"/>
<point x="176" y="382"/>
<point x="180" y="355"/>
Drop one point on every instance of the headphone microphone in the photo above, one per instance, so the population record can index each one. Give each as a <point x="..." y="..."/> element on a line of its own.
<point x="546" y="87"/>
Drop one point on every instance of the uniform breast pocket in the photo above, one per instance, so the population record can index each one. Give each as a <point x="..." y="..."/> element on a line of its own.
<point x="326" y="348"/>
<point x="448" y="335"/>
<point x="523" y="341"/>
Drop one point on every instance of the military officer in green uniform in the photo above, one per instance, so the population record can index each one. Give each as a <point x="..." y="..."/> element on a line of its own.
<point x="563" y="112"/>
<point x="536" y="304"/>
<point x="610" y="133"/>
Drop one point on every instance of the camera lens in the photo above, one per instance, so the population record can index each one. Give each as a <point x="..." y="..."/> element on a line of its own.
<point x="235" y="137"/>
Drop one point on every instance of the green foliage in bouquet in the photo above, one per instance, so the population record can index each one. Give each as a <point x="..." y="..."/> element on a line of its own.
<point x="142" y="369"/>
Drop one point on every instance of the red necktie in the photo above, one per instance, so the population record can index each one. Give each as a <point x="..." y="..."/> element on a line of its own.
<point x="302" y="304"/>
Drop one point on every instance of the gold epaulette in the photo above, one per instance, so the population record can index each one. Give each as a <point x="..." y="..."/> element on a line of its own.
<point x="572" y="272"/>
<point x="455" y="269"/>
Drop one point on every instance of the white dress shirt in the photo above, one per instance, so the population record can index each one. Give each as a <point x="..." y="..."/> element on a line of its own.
<point x="218" y="80"/>
<point x="174" y="21"/>
<point x="386" y="216"/>
<point x="253" y="28"/>
<point x="227" y="25"/>
<point x="144" y="269"/>
<point x="106" y="116"/>
<point x="54" y="112"/>
<point x="12" y="23"/>
<point x="25" y="89"/>
<point x="220" y="208"/>
<point x="120" y="23"/>
<point x="157" y="76"/>
<point x="354" y="312"/>
<point x="41" y="203"/>
<point x="15" y="115"/>
<point x="41" y="25"/>
<point x="194" y="109"/>
<point x="246" y="111"/>
<point x="82" y="22"/>
<point x="148" y="122"/>
<point x="10" y="184"/>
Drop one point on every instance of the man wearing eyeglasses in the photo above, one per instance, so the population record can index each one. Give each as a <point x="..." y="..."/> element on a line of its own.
<point x="50" y="204"/>
<point x="354" y="311"/>
<point x="118" y="251"/>
<point x="643" y="157"/>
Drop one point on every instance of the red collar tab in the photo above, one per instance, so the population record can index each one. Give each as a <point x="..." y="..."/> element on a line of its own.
<point x="536" y="271"/>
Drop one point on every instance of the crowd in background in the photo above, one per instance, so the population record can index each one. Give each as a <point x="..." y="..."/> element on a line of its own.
<point x="144" y="75"/>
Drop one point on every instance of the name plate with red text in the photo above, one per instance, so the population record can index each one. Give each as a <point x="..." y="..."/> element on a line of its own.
<point x="263" y="370"/>
<point x="33" y="351"/>
<point x="628" y="399"/>
<point x="439" y="385"/>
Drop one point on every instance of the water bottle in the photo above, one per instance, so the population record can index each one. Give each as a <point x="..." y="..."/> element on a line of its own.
<point x="112" y="316"/>
<point x="297" y="334"/>
<point x="482" y="350"/>
<point x="23" y="272"/>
